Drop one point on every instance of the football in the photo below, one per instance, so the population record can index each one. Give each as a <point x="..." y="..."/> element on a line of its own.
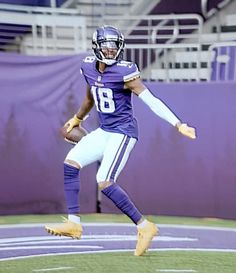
<point x="75" y="135"/>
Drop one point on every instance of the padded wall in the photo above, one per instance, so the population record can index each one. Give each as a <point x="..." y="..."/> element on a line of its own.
<point x="171" y="175"/>
<point x="166" y="173"/>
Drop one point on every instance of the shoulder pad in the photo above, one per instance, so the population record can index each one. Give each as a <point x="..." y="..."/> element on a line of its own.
<point x="89" y="59"/>
<point x="129" y="70"/>
<point x="125" y="64"/>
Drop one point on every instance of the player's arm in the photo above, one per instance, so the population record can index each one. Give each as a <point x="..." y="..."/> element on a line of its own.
<point x="83" y="111"/>
<point x="159" y="108"/>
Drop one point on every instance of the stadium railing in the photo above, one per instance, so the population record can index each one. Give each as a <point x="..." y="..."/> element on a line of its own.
<point x="156" y="43"/>
<point x="166" y="47"/>
<point x="41" y="31"/>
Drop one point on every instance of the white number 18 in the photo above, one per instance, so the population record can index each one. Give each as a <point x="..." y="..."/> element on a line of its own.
<point x="103" y="98"/>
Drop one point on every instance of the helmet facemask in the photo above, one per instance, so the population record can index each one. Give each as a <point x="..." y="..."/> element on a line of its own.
<point x="108" y="45"/>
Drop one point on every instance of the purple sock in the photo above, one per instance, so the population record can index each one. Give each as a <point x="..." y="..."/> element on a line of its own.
<point x="122" y="201"/>
<point x="71" y="188"/>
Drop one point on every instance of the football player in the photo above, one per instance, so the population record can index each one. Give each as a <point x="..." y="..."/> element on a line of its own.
<point x="111" y="82"/>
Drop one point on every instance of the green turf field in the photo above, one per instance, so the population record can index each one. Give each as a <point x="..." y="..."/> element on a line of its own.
<point x="124" y="262"/>
<point x="114" y="218"/>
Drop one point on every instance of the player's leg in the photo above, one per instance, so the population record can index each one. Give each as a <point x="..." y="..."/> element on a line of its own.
<point x="82" y="154"/>
<point x="115" y="157"/>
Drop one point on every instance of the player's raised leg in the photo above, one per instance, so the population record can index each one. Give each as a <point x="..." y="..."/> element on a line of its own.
<point x="84" y="153"/>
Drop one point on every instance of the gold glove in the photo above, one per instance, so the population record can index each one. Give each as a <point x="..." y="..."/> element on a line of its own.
<point x="185" y="130"/>
<point x="73" y="122"/>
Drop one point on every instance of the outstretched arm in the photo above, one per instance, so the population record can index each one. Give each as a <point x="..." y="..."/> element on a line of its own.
<point x="159" y="108"/>
<point x="83" y="111"/>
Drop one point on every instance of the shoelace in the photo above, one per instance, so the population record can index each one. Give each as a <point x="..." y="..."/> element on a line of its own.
<point x="140" y="234"/>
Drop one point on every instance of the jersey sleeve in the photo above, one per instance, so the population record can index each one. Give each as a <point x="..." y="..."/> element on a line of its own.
<point x="130" y="71"/>
<point x="82" y="68"/>
<point x="85" y="66"/>
<point x="82" y="73"/>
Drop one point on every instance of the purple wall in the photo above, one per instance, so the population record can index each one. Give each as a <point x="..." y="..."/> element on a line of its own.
<point x="167" y="173"/>
<point x="224" y="70"/>
<point x="37" y="96"/>
<point x="171" y="175"/>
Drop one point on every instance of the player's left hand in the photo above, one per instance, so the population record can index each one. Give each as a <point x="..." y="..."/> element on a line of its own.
<point x="71" y="123"/>
<point x="186" y="130"/>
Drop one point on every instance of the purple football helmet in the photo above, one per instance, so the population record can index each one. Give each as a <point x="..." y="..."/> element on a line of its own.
<point x="110" y="38"/>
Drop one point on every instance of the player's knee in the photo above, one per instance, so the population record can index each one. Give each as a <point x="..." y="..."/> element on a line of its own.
<point x="104" y="184"/>
<point x="101" y="180"/>
<point x="72" y="163"/>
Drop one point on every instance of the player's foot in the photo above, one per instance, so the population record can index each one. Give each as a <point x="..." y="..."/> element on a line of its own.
<point x="68" y="228"/>
<point x="145" y="236"/>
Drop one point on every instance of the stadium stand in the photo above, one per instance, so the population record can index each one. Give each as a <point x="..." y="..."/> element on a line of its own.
<point x="169" y="41"/>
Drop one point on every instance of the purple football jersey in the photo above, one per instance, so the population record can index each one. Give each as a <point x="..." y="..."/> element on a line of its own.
<point x="113" y="101"/>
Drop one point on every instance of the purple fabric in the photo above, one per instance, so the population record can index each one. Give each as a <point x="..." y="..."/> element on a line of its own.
<point x="122" y="201"/>
<point x="224" y="71"/>
<point x="37" y="96"/>
<point x="166" y="174"/>
<point x="46" y="3"/>
<point x="72" y="188"/>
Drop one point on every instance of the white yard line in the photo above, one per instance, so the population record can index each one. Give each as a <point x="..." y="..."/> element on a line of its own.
<point x="85" y="238"/>
<point x="49" y="247"/>
<point x="176" y="270"/>
<point x="124" y="225"/>
<point x="120" y="250"/>
<point x="51" y="269"/>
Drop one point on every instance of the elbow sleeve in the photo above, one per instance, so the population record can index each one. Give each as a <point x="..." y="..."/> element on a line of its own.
<point x="158" y="107"/>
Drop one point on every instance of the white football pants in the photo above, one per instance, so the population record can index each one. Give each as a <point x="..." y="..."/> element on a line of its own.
<point x="111" y="149"/>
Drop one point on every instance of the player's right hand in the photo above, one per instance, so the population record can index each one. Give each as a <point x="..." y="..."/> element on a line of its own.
<point x="186" y="130"/>
<point x="71" y="123"/>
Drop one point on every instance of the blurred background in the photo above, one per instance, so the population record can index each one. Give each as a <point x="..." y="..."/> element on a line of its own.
<point x="186" y="51"/>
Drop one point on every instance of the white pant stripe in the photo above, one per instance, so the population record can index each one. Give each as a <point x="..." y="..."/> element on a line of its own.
<point x="116" y="158"/>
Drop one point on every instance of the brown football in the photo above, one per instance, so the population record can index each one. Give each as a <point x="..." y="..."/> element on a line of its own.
<point x="75" y="135"/>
